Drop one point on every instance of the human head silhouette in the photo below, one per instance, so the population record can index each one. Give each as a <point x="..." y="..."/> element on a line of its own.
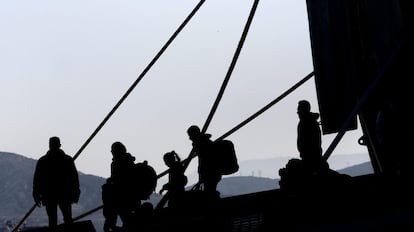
<point x="303" y="107"/>
<point x="193" y="132"/>
<point x="304" y="110"/>
<point x="54" y="143"/>
<point x="170" y="158"/>
<point x="118" y="148"/>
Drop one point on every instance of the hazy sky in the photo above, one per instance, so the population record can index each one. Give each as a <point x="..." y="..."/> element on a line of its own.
<point x="65" y="64"/>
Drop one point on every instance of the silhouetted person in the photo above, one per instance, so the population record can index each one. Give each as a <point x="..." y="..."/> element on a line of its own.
<point x="311" y="171"/>
<point x="309" y="137"/>
<point x="208" y="172"/>
<point x="176" y="179"/>
<point x="117" y="197"/>
<point x="209" y="175"/>
<point x="56" y="183"/>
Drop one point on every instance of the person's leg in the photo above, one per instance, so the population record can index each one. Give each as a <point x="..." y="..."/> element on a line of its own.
<point x="210" y="187"/>
<point x="109" y="209"/>
<point x="66" y="209"/>
<point x="111" y="216"/>
<point x="51" y="210"/>
<point x="127" y="218"/>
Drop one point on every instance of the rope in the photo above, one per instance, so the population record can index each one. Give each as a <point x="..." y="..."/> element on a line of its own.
<point x="140" y="77"/>
<point x="130" y="89"/>
<point x="24" y="218"/>
<point x="87" y="213"/>
<point x="232" y="65"/>
<point x="283" y="95"/>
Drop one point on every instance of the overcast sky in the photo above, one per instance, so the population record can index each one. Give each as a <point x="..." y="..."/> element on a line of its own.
<point x="65" y="64"/>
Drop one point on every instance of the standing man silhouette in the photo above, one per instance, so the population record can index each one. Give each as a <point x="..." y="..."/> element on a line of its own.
<point x="56" y="183"/>
<point x="309" y="140"/>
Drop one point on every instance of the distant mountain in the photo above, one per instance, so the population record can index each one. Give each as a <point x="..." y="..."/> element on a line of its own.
<point x="358" y="170"/>
<point x="238" y="185"/>
<point x="270" y="167"/>
<point x="16" y="174"/>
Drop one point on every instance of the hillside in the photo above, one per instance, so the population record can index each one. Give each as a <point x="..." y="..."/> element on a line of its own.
<point x="358" y="170"/>
<point x="270" y="167"/>
<point x="239" y="185"/>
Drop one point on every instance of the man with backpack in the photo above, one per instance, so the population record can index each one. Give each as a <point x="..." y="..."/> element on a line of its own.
<point x="123" y="191"/>
<point x="209" y="174"/>
<point x="117" y="196"/>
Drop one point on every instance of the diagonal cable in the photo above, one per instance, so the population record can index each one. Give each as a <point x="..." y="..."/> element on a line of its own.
<point x="140" y="77"/>
<point x="232" y="65"/>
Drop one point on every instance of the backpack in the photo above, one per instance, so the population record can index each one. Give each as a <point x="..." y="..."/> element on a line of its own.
<point x="226" y="156"/>
<point x="145" y="180"/>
